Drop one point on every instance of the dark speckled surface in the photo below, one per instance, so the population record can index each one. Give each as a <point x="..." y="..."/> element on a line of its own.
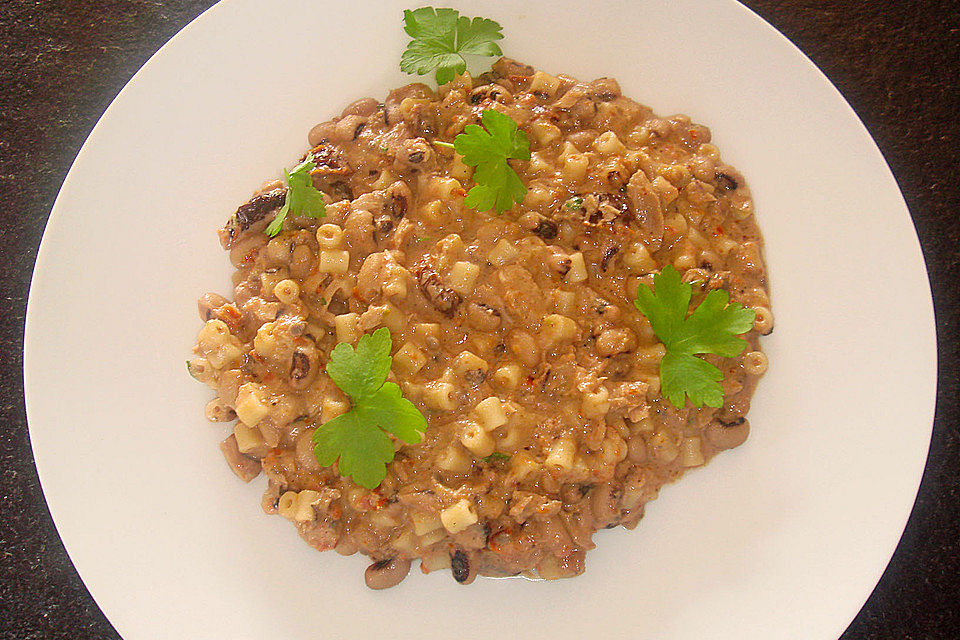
<point x="63" y="61"/>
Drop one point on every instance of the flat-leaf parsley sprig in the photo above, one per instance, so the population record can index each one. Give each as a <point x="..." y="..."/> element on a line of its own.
<point x="303" y="199"/>
<point x="358" y="438"/>
<point x="441" y="37"/>
<point x="713" y="327"/>
<point x="488" y="148"/>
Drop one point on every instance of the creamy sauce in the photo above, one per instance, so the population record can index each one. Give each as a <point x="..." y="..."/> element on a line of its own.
<point x="512" y="333"/>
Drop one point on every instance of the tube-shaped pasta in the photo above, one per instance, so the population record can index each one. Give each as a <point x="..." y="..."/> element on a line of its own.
<point x="440" y="395"/>
<point x="347" y="327"/>
<point x="468" y="362"/>
<point x="426" y="331"/>
<point x="424" y="523"/>
<point x="507" y="376"/>
<point x="763" y="320"/>
<point x="477" y="440"/>
<point x="330" y="408"/>
<point x="334" y="261"/>
<point x="578" y="269"/>
<point x="663" y="446"/>
<point x="755" y="363"/>
<point x="458" y="516"/>
<point x="409" y="359"/>
<point x="564" y="302"/>
<point x="504" y="252"/>
<point x="329" y="236"/>
<point x="561" y="453"/>
<point x="304" y="510"/>
<point x="556" y="329"/>
<point x="286" y="291"/>
<point x="637" y="259"/>
<point x="249" y="439"/>
<point x="251" y="404"/>
<point x="463" y="277"/>
<point x="691" y="454"/>
<point x="490" y="413"/>
<point x="449" y="188"/>
<point x="545" y="133"/>
<point x="613" y="450"/>
<point x="575" y="166"/>
<point x="459" y="170"/>
<point x="508" y="438"/>
<point x="544" y="83"/>
<point x="521" y="465"/>
<point x="454" y="459"/>
<point x="595" y="404"/>
<point x="607" y="144"/>
<point x="433" y="537"/>
<point x="287" y="505"/>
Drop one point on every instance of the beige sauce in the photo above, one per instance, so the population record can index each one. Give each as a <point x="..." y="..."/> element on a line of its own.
<point x="513" y="334"/>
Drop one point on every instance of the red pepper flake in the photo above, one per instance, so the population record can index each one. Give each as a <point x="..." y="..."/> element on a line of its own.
<point x="230" y="315"/>
<point x="718" y="231"/>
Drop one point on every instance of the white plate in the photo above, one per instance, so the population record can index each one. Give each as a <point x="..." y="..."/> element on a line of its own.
<point x="782" y="538"/>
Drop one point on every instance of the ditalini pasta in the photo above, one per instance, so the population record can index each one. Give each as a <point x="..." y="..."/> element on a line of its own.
<point x="514" y="334"/>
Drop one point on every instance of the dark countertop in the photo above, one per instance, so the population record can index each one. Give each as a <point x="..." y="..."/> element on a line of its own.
<point x="63" y="61"/>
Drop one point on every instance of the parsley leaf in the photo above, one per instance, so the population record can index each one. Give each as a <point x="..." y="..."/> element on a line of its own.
<point x="681" y="373"/>
<point x="361" y="448"/>
<point x="362" y="371"/>
<point x="713" y="327"/>
<point x="441" y="36"/>
<point x="496" y="456"/>
<point x="488" y="148"/>
<point x="303" y="199"/>
<point x="358" y="440"/>
<point x="394" y="413"/>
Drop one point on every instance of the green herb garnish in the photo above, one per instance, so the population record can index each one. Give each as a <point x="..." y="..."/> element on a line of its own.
<point x="488" y="148"/>
<point x="303" y="199"/>
<point x="358" y="439"/>
<point x="441" y="37"/>
<point x="713" y="327"/>
<point x="574" y="203"/>
<point x="496" y="456"/>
